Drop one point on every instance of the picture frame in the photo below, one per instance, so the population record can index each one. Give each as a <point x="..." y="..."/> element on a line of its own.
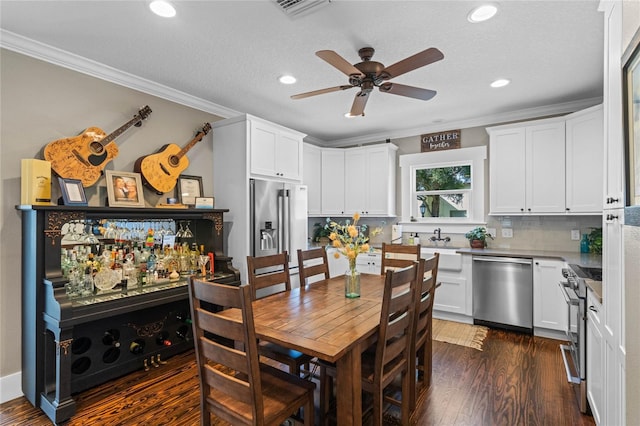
<point x="631" y="116"/>
<point x="188" y="188"/>
<point x="72" y="192"/>
<point x="124" y="189"/>
<point x="204" y="202"/>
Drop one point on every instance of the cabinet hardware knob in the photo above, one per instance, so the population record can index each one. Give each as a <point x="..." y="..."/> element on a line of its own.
<point x="567" y="209"/>
<point x="521" y="210"/>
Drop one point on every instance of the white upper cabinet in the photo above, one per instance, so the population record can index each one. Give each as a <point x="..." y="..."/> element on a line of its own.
<point x="584" y="144"/>
<point x="370" y="172"/>
<point x="275" y="152"/>
<point x="527" y="168"/>
<point x="361" y="180"/>
<point x="551" y="166"/>
<point x="312" y="177"/>
<point x="333" y="181"/>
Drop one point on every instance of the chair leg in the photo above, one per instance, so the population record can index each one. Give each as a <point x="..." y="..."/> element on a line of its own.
<point x="309" y="415"/>
<point x="378" y="398"/>
<point x="407" y="386"/>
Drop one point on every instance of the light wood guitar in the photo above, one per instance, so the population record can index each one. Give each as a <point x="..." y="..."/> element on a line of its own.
<point x="160" y="171"/>
<point x="83" y="157"/>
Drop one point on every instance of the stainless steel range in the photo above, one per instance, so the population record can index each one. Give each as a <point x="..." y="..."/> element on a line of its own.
<point x="574" y="353"/>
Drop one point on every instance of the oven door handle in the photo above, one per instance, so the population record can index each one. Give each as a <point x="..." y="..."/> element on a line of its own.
<point x="567" y="298"/>
<point x="571" y="379"/>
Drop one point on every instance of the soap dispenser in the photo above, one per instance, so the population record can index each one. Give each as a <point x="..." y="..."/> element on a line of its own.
<point x="416" y="239"/>
<point x="411" y="240"/>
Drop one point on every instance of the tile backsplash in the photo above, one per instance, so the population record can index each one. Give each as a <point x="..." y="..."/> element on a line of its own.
<point x="528" y="232"/>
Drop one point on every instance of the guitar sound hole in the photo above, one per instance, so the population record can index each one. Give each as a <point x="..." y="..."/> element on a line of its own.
<point x="174" y="161"/>
<point x="96" y="147"/>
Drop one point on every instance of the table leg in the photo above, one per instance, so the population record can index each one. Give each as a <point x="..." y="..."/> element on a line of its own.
<point x="349" y="388"/>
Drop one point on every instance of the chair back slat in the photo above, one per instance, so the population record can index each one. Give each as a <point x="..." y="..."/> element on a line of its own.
<point x="313" y="264"/>
<point x="233" y="387"/>
<point x="396" y="319"/>
<point x="223" y="327"/>
<point x="397" y="256"/>
<point x="424" y="301"/>
<point x="268" y="272"/>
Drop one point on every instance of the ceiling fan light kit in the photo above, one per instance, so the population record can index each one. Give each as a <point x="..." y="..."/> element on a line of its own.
<point x="369" y="74"/>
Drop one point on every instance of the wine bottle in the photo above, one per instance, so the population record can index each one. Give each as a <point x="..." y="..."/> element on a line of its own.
<point x="110" y="338"/>
<point x="163" y="339"/>
<point x="137" y="346"/>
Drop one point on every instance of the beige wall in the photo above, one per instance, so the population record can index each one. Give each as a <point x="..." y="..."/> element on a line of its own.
<point x="39" y="103"/>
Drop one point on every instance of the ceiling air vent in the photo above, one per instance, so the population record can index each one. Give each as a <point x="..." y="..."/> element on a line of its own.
<point x="298" y="7"/>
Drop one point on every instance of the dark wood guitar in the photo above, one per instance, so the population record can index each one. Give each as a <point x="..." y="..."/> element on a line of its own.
<point x="84" y="157"/>
<point x="160" y="171"/>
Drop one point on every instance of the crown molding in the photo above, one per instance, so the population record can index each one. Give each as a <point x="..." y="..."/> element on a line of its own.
<point x="53" y="55"/>
<point x="488" y="120"/>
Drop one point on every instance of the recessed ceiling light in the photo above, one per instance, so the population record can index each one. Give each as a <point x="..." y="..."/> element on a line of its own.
<point x="287" y="79"/>
<point x="482" y="13"/>
<point x="162" y="8"/>
<point x="501" y="82"/>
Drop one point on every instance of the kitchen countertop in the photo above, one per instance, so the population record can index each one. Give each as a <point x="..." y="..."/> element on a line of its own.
<point x="589" y="260"/>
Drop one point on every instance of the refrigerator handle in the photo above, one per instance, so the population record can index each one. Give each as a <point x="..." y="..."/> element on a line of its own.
<point x="286" y="222"/>
<point x="280" y="221"/>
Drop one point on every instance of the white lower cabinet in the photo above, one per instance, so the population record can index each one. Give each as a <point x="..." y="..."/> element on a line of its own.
<point x="453" y="295"/>
<point x="549" y="306"/>
<point x="369" y="263"/>
<point x="595" y="359"/>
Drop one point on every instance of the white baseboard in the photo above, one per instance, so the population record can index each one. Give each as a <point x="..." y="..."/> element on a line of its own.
<point x="10" y="387"/>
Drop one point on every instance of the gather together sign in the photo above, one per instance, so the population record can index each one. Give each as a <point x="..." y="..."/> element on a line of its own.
<point x="440" y="141"/>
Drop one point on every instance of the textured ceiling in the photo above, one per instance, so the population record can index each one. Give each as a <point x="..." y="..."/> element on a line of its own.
<point x="231" y="53"/>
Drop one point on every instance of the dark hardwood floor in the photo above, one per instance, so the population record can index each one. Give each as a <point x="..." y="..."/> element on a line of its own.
<point x="515" y="380"/>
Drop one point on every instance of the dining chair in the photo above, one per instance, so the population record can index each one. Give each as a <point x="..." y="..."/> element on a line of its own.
<point x="267" y="273"/>
<point x="396" y="256"/>
<point x="234" y="385"/>
<point x="420" y="362"/>
<point x="389" y="357"/>
<point x="311" y="264"/>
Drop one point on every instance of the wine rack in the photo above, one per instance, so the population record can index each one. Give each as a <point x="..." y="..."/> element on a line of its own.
<point x="71" y="344"/>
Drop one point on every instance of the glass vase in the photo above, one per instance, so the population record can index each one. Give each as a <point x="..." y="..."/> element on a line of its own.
<point x="352" y="281"/>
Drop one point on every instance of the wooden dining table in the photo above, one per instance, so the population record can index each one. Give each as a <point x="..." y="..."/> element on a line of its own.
<point x="320" y="321"/>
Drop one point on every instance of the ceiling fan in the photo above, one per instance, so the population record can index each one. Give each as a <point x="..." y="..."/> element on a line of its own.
<point x="369" y="74"/>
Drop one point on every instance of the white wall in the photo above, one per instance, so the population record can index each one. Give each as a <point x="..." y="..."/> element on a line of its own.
<point x="39" y="103"/>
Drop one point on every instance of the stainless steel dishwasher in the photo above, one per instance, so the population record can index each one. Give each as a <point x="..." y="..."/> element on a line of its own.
<point x="503" y="292"/>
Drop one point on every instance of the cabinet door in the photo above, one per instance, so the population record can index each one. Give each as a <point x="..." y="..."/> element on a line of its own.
<point x="451" y="295"/>
<point x="333" y="182"/>
<point x="312" y="177"/>
<point x="356" y="175"/>
<point x="595" y="361"/>
<point x="545" y="168"/>
<point x="380" y="181"/>
<point x="507" y="171"/>
<point x="549" y="306"/>
<point x="263" y="140"/>
<point x="288" y="161"/>
<point x="584" y="140"/>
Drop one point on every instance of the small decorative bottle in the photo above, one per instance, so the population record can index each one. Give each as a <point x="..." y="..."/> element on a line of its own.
<point x="584" y="244"/>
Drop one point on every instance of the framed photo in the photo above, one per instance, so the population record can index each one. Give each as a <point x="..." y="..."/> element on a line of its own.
<point x="72" y="192"/>
<point x="631" y="94"/>
<point x="188" y="189"/>
<point x="204" y="202"/>
<point x="124" y="189"/>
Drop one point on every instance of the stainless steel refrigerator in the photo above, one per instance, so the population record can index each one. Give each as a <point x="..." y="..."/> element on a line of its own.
<point x="278" y="214"/>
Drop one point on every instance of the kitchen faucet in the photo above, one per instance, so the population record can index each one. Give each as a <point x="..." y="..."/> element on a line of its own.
<point x="437" y="232"/>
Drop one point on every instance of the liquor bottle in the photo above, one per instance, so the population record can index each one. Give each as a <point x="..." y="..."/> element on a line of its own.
<point x="151" y="267"/>
<point x="88" y="286"/>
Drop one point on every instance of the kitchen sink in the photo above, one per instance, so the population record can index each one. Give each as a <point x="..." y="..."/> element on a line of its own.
<point x="449" y="259"/>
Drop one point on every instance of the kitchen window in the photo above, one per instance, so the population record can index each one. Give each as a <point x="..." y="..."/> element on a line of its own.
<point x="444" y="187"/>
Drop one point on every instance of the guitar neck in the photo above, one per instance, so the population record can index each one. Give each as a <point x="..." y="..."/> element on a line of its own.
<point x="120" y="130"/>
<point x="190" y="145"/>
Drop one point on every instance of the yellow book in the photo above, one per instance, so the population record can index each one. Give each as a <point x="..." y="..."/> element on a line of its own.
<point x="35" y="184"/>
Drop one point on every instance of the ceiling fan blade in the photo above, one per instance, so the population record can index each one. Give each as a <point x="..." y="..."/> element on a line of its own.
<point x="321" y="91"/>
<point x="418" y="60"/>
<point x="408" y="91"/>
<point x="338" y="61"/>
<point x="359" y="103"/>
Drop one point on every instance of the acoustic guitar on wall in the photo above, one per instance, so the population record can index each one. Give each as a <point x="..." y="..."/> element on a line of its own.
<point x="160" y="171"/>
<point x="84" y="157"/>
